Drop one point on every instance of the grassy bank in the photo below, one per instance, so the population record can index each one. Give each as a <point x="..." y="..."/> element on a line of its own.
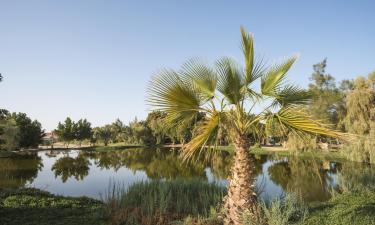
<point x="35" y="207"/>
<point x="173" y="202"/>
<point x="345" y="209"/>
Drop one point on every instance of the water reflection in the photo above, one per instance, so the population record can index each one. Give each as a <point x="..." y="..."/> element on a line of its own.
<point x="309" y="178"/>
<point x="15" y="173"/>
<point x="67" y="167"/>
<point x="79" y="173"/>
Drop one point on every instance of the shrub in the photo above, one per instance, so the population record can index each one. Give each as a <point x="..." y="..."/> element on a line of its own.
<point x="286" y="211"/>
<point x="157" y="202"/>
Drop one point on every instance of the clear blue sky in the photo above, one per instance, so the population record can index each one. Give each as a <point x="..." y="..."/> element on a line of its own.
<point x="93" y="59"/>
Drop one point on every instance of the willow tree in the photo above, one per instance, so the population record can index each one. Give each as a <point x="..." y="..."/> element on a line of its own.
<point x="226" y="95"/>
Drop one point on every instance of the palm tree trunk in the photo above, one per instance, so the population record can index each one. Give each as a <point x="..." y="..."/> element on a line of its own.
<point x="241" y="196"/>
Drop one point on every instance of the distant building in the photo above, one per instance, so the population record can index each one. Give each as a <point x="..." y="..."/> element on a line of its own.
<point x="50" y="136"/>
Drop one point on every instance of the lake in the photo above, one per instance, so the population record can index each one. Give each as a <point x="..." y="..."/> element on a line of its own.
<point x="83" y="173"/>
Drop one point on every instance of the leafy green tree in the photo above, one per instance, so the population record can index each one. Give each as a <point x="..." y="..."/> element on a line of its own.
<point x="155" y="121"/>
<point x="9" y="135"/>
<point x="226" y="95"/>
<point x="118" y="131"/>
<point x="327" y="100"/>
<point x="30" y="131"/>
<point x="141" y="133"/>
<point x="82" y="130"/>
<point x="360" y="104"/>
<point x="105" y="134"/>
<point x="66" y="131"/>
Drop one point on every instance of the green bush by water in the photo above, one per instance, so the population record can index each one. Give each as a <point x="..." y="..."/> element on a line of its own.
<point x="34" y="207"/>
<point x="162" y="200"/>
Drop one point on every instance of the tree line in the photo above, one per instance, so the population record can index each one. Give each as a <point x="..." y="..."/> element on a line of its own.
<point x="348" y="105"/>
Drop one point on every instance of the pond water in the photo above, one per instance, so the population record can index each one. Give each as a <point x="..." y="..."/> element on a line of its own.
<point x="79" y="173"/>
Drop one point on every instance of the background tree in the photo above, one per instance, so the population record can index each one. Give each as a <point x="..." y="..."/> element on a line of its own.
<point x="9" y="135"/>
<point x="226" y="95"/>
<point x="30" y="131"/>
<point x="327" y="101"/>
<point x="105" y="134"/>
<point x="82" y="130"/>
<point x="66" y="131"/>
<point x="360" y="119"/>
<point x="118" y="131"/>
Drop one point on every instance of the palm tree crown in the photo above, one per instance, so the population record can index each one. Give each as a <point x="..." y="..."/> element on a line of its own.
<point x="226" y="94"/>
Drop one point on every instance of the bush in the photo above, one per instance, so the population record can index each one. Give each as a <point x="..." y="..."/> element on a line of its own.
<point x="286" y="211"/>
<point x="157" y="202"/>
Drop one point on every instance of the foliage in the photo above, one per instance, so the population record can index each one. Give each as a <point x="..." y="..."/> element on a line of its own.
<point x="360" y="120"/>
<point x="17" y="130"/>
<point x="328" y="101"/>
<point x="155" y="201"/>
<point x="296" y="143"/>
<point x="9" y="135"/>
<point x="35" y="207"/>
<point x="70" y="130"/>
<point x="66" y="131"/>
<point x="345" y="209"/>
<point x="105" y="134"/>
<point x="223" y="93"/>
<point x="286" y="211"/>
<point x="83" y="130"/>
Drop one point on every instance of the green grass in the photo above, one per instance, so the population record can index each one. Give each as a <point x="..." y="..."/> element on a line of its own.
<point x="345" y="209"/>
<point x="150" y="202"/>
<point x="32" y="206"/>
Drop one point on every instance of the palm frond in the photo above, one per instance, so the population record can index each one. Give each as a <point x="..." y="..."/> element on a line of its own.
<point x="253" y="68"/>
<point x="275" y="77"/>
<point x="230" y="82"/>
<point x="248" y="51"/>
<point x="203" y="78"/>
<point x="169" y="93"/>
<point x="291" y="95"/>
<point x="205" y="141"/>
<point x="297" y="120"/>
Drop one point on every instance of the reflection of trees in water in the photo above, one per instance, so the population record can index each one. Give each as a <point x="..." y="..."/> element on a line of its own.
<point x="16" y="173"/>
<point x="356" y="177"/>
<point x="156" y="163"/>
<point x="67" y="167"/>
<point x="306" y="177"/>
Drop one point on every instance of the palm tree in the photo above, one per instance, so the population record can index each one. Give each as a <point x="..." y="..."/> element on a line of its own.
<point x="226" y="95"/>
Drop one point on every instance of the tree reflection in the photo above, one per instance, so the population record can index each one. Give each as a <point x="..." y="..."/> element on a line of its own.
<point x="306" y="177"/>
<point x="16" y="173"/>
<point x="356" y="177"/>
<point x="67" y="167"/>
<point x="156" y="163"/>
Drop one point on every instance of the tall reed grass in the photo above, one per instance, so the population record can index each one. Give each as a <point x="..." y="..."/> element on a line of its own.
<point x="160" y="202"/>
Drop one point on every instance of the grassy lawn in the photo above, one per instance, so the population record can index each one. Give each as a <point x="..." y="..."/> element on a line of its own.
<point x="150" y="203"/>
<point x="32" y="206"/>
<point x="345" y="209"/>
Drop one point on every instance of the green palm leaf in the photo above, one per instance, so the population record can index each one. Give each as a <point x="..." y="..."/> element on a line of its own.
<point x="175" y="96"/>
<point x="230" y="82"/>
<point x="206" y="138"/>
<point x="291" y="95"/>
<point x="203" y="78"/>
<point x="298" y="121"/>
<point x="274" y="78"/>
